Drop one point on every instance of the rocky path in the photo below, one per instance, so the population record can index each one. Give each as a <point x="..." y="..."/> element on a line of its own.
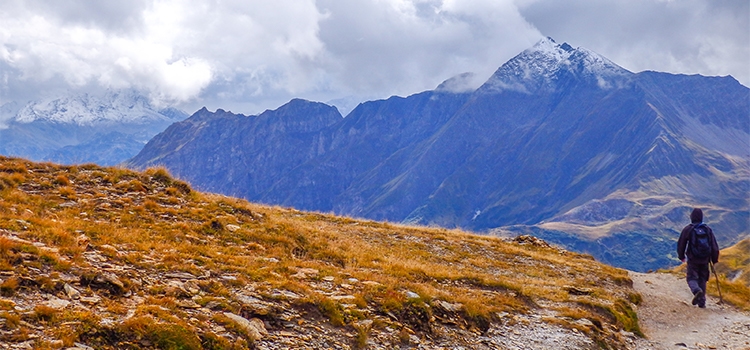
<point x="670" y="322"/>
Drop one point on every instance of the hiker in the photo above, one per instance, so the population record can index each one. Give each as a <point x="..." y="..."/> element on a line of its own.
<point x="698" y="243"/>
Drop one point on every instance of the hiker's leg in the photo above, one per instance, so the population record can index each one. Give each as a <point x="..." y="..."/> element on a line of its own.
<point x="704" y="276"/>
<point x="693" y="279"/>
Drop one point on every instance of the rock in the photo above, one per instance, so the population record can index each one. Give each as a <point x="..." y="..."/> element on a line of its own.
<point x="254" y="327"/>
<point x="57" y="303"/>
<point x="112" y="281"/>
<point x="527" y="239"/>
<point x="232" y="228"/>
<point x="254" y="305"/>
<point x="304" y="273"/>
<point x="83" y="241"/>
<point x="578" y="291"/>
<point x="329" y="278"/>
<point x="449" y="306"/>
<point x="364" y="324"/>
<point x="284" y="294"/>
<point x="411" y="295"/>
<point x="81" y="346"/>
<point x="191" y="287"/>
<point x="91" y="300"/>
<point x="181" y="275"/>
<point x="343" y="297"/>
<point x="71" y="292"/>
<point x="188" y="304"/>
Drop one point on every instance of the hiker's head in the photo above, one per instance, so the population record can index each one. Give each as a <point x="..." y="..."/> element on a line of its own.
<point x="696" y="216"/>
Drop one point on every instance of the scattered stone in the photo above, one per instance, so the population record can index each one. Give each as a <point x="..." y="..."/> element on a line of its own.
<point x="232" y="228"/>
<point x="343" y="297"/>
<point x="82" y="346"/>
<point x="254" y="327"/>
<point x="578" y="291"/>
<point x="57" y="303"/>
<point x="191" y="287"/>
<point x="329" y="278"/>
<point x="71" y="292"/>
<point x="254" y="305"/>
<point x="411" y="295"/>
<point x="450" y="307"/>
<point x="363" y="324"/>
<point x="284" y="294"/>
<point x="188" y="304"/>
<point x="91" y="300"/>
<point x="305" y="273"/>
<point x="111" y="282"/>
<point x="181" y="275"/>
<point x="531" y="240"/>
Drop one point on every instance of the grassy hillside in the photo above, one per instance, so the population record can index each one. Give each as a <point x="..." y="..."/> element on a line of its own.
<point x="113" y="259"/>
<point x="734" y="271"/>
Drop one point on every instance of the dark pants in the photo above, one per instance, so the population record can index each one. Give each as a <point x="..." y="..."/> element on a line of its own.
<point x="697" y="276"/>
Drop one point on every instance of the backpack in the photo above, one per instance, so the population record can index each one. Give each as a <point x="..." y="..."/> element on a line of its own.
<point x="700" y="245"/>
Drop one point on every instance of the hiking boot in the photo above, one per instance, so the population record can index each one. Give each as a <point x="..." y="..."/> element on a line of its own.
<point x="702" y="306"/>
<point x="696" y="298"/>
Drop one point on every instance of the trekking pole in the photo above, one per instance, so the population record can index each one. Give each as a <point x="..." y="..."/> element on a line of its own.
<point x="721" y="299"/>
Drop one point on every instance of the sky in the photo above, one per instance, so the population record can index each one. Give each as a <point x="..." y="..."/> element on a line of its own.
<point x="250" y="55"/>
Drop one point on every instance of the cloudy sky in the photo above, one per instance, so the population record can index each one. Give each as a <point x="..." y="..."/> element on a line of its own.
<point x="249" y="55"/>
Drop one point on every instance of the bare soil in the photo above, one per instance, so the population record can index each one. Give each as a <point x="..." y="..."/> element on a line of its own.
<point x="669" y="320"/>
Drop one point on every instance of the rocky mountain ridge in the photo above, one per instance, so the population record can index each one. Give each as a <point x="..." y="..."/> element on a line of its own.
<point x="560" y="142"/>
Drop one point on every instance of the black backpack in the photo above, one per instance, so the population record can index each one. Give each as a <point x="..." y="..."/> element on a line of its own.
<point x="700" y="244"/>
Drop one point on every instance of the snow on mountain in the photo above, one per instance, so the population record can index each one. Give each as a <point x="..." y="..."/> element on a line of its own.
<point x="539" y="67"/>
<point x="118" y="106"/>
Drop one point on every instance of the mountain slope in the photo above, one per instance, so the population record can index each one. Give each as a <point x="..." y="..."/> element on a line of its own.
<point x="112" y="259"/>
<point x="78" y="128"/>
<point x="559" y="142"/>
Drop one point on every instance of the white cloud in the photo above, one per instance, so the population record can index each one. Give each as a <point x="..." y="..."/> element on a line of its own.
<point x="687" y="36"/>
<point x="252" y="55"/>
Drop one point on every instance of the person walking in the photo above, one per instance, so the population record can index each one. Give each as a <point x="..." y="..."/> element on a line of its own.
<point x="698" y="243"/>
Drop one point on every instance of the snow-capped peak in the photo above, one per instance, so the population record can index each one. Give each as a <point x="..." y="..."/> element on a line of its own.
<point x="86" y="109"/>
<point x="539" y="68"/>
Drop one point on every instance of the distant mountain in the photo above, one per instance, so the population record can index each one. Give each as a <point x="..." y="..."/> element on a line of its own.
<point x="106" y="129"/>
<point x="559" y="142"/>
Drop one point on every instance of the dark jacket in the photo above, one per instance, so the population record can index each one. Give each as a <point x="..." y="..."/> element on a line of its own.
<point x="696" y="217"/>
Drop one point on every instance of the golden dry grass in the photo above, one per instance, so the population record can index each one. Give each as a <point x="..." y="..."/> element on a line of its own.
<point x="153" y="222"/>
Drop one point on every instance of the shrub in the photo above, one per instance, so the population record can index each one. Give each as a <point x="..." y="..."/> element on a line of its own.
<point x="44" y="313"/>
<point x="168" y="336"/>
<point x="8" y="287"/>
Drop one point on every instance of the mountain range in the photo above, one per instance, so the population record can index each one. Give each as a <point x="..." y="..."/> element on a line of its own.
<point x="559" y="142"/>
<point x="105" y="128"/>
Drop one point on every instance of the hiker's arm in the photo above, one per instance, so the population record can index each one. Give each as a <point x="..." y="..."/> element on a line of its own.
<point x="682" y="243"/>
<point x="714" y="249"/>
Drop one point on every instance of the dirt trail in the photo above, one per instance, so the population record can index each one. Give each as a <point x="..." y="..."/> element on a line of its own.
<point x="670" y="322"/>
